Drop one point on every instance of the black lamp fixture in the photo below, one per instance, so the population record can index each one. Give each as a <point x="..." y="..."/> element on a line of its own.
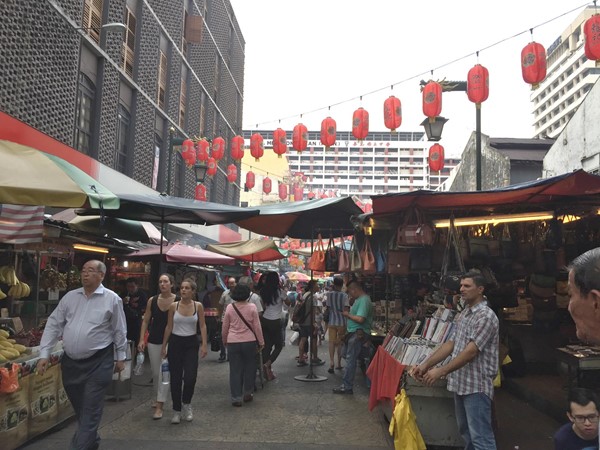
<point x="200" y="169"/>
<point x="434" y="129"/>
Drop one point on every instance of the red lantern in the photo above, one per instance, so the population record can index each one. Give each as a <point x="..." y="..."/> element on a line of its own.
<point x="533" y="64"/>
<point x="328" y="130"/>
<point x="218" y="148"/>
<point x="200" y="193"/>
<point x="188" y="152"/>
<point x="211" y="167"/>
<point x="298" y="194"/>
<point x="436" y="157"/>
<point x="300" y="137"/>
<point x="257" y="149"/>
<point x="267" y="185"/>
<point x="202" y="147"/>
<point x="432" y="100"/>
<point x="279" y="142"/>
<point x="237" y="148"/>
<point x="392" y="113"/>
<point x="250" y="180"/>
<point x="283" y="191"/>
<point x="478" y="84"/>
<point x="591" y="31"/>
<point x="360" y="124"/>
<point x="231" y="173"/>
<point x="310" y="195"/>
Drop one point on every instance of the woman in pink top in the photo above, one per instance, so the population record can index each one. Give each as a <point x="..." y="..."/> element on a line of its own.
<point x="243" y="337"/>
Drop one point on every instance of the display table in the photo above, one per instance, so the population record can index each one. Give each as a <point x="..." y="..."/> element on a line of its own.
<point x="38" y="405"/>
<point x="578" y="359"/>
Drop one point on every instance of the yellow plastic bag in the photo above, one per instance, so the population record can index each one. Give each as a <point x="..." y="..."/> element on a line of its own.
<point x="403" y="426"/>
<point x="498" y="379"/>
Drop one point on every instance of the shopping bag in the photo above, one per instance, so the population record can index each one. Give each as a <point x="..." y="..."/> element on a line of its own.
<point x="9" y="379"/>
<point x="403" y="426"/>
<point x="344" y="261"/>
<point x="368" y="258"/>
<point x="317" y="259"/>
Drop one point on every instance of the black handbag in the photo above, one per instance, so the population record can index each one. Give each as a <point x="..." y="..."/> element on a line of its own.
<point x="215" y="342"/>
<point x="332" y="259"/>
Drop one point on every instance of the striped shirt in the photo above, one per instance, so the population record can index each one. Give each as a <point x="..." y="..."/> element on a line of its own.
<point x="477" y="324"/>
<point x="336" y="302"/>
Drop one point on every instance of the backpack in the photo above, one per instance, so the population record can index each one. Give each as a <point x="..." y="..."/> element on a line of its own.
<point x="300" y="314"/>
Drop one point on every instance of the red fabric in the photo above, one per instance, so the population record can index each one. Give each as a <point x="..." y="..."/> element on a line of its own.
<point x="385" y="373"/>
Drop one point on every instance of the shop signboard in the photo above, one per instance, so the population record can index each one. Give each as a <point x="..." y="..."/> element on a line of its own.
<point x="43" y="401"/>
<point x="14" y="416"/>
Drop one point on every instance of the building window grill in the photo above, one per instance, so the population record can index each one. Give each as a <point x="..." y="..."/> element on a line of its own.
<point x="85" y="107"/>
<point x="122" y="150"/>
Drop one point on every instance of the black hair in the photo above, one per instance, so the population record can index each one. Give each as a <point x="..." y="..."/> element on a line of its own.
<point x="171" y="279"/>
<point x="338" y="281"/>
<point x="356" y="281"/>
<point x="192" y="284"/>
<point x="310" y="285"/>
<point x="131" y="280"/>
<point x="476" y="276"/>
<point x="582" y="396"/>
<point x="269" y="288"/>
<point x="586" y="271"/>
<point x="240" y="292"/>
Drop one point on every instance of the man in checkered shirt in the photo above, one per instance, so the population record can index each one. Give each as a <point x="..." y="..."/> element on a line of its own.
<point x="472" y="366"/>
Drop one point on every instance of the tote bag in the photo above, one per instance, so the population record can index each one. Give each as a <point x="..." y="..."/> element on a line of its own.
<point x="368" y="258"/>
<point x="317" y="259"/>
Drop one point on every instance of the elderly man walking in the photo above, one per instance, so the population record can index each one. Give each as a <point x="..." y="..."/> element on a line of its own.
<point x="91" y="322"/>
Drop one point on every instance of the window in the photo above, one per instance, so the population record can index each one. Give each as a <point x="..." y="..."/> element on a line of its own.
<point x="202" y="117"/>
<point x="128" y="43"/>
<point x="85" y="108"/>
<point x="184" y="44"/>
<point x="182" y="98"/>
<point x="92" y="18"/>
<point x="217" y="74"/>
<point x="122" y="140"/>
<point x="162" y="80"/>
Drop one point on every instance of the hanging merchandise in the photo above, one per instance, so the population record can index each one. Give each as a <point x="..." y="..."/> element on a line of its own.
<point x="298" y="194"/>
<point x="310" y="195"/>
<point x="202" y="147"/>
<point x="283" y="192"/>
<point x="267" y="185"/>
<point x="200" y="193"/>
<point x="279" y="142"/>
<point x="360" y="124"/>
<point x="231" y="173"/>
<point x="403" y="426"/>
<point x="218" y="148"/>
<point x="211" y="167"/>
<point x="9" y="379"/>
<point x="300" y="137"/>
<point x="478" y="84"/>
<point x="317" y="259"/>
<point x="237" y="148"/>
<point x="432" y="100"/>
<point x="591" y="31"/>
<point x="250" y="180"/>
<point x="355" y="260"/>
<point x="533" y="64"/>
<point x="328" y="132"/>
<point x="331" y="256"/>
<point x="257" y="148"/>
<point x="436" y="157"/>
<point x="392" y="113"/>
<point x="368" y="258"/>
<point x="188" y="152"/>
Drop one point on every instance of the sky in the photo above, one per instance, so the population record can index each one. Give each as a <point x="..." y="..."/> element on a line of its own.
<point x="302" y="56"/>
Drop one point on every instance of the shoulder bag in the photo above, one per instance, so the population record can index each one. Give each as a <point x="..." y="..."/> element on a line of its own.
<point x="355" y="259"/>
<point x="368" y="258"/>
<point x="317" y="259"/>
<point x="419" y="233"/>
<point x="331" y="256"/>
<point x="247" y="324"/>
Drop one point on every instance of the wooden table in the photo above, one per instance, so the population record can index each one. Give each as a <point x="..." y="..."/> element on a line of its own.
<point x="578" y="361"/>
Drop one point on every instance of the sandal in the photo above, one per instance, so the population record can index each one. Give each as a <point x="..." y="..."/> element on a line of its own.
<point x="157" y="415"/>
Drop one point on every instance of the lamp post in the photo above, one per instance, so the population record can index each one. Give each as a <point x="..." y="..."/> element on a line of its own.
<point x="199" y="166"/>
<point x="434" y="130"/>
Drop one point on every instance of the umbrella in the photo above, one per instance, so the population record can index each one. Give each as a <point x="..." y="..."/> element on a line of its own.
<point x="297" y="276"/>
<point x="180" y="253"/>
<point x="252" y="250"/>
<point x="33" y="177"/>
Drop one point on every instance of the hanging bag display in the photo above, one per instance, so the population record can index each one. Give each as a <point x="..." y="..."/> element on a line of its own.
<point x="368" y="258"/>
<point x="343" y="261"/>
<point x="9" y="379"/>
<point x="380" y="259"/>
<point x="331" y="256"/>
<point x="452" y="251"/>
<point x="414" y="230"/>
<point x="398" y="260"/>
<point x="355" y="260"/>
<point x="317" y="259"/>
<point x="508" y="248"/>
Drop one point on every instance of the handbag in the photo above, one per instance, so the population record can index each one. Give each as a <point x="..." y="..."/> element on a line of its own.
<point x="452" y="249"/>
<point x="368" y="258"/>
<point x="343" y="261"/>
<point x="421" y="258"/>
<point x="331" y="257"/>
<point x="419" y="233"/>
<point x="398" y="262"/>
<point x="247" y="324"/>
<point x="317" y="259"/>
<point x="9" y="379"/>
<point x="355" y="260"/>
<point x="380" y="260"/>
<point x="215" y="342"/>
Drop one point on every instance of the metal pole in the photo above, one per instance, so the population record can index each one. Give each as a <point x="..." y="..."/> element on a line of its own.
<point x="478" y="145"/>
<point x="170" y="160"/>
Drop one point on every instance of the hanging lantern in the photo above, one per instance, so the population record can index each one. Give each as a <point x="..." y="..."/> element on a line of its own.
<point x="250" y="180"/>
<point x="211" y="167"/>
<point x="279" y="142"/>
<point x="283" y="191"/>
<point x="478" y="84"/>
<point x="237" y="148"/>
<point x="310" y="195"/>
<point x="188" y="152"/>
<point x="218" y="148"/>
<point x="200" y="193"/>
<point x="231" y="173"/>
<point x="202" y="147"/>
<point x="257" y="149"/>
<point x="298" y="194"/>
<point x="392" y="113"/>
<point x="360" y="124"/>
<point x="533" y="64"/>
<point x="300" y="137"/>
<point x="432" y="100"/>
<point x="436" y="157"/>
<point x="267" y="185"/>
<point x="328" y="130"/>
<point x="591" y="31"/>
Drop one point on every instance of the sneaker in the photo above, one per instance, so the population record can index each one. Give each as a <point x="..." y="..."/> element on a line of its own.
<point x="176" y="418"/>
<point x="342" y="390"/>
<point x="187" y="412"/>
<point x="330" y="370"/>
<point x="248" y="398"/>
<point x="301" y="363"/>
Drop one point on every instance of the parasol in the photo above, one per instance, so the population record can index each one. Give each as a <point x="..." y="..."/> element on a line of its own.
<point x="297" y="276"/>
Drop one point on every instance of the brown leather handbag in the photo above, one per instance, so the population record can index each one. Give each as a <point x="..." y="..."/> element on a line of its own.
<point x="317" y="259"/>
<point x="368" y="258"/>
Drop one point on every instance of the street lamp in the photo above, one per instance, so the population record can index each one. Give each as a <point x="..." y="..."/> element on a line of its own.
<point x="200" y="171"/>
<point x="433" y="130"/>
<point x="199" y="167"/>
<point x="112" y="26"/>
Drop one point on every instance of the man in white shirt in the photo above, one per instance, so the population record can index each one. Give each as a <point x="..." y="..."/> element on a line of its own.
<point x="91" y="322"/>
<point x="223" y="302"/>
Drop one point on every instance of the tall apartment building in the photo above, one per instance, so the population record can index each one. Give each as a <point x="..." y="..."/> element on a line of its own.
<point x="384" y="162"/>
<point x="569" y="77"/>
<point x="114" y="96"/>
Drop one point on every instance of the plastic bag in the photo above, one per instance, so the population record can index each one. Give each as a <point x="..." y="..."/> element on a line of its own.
<point x="139" y="364"/>
<point x="9" y="379"/>
<point x="294" y="337"/>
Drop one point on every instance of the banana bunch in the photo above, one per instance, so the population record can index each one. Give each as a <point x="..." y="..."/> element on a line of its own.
<point x="9" y="349"/>
<point x="8" y="275"/>
<point x="19" y="290"/>
<point x="2" y="295"/>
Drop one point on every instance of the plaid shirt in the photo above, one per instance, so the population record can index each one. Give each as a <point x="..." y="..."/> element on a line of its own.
<point x="477" y="324"/>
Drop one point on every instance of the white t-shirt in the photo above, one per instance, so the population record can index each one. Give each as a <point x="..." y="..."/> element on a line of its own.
<point x="275" y="311"/>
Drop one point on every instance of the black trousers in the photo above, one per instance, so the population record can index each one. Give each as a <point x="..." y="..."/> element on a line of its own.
<point x="183" y="365"/>
<point x="272" y="333"/>
<point x="85" y="382"/>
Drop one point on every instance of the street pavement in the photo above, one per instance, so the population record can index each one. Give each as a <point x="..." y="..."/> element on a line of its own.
<point x="286" y="414"/>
